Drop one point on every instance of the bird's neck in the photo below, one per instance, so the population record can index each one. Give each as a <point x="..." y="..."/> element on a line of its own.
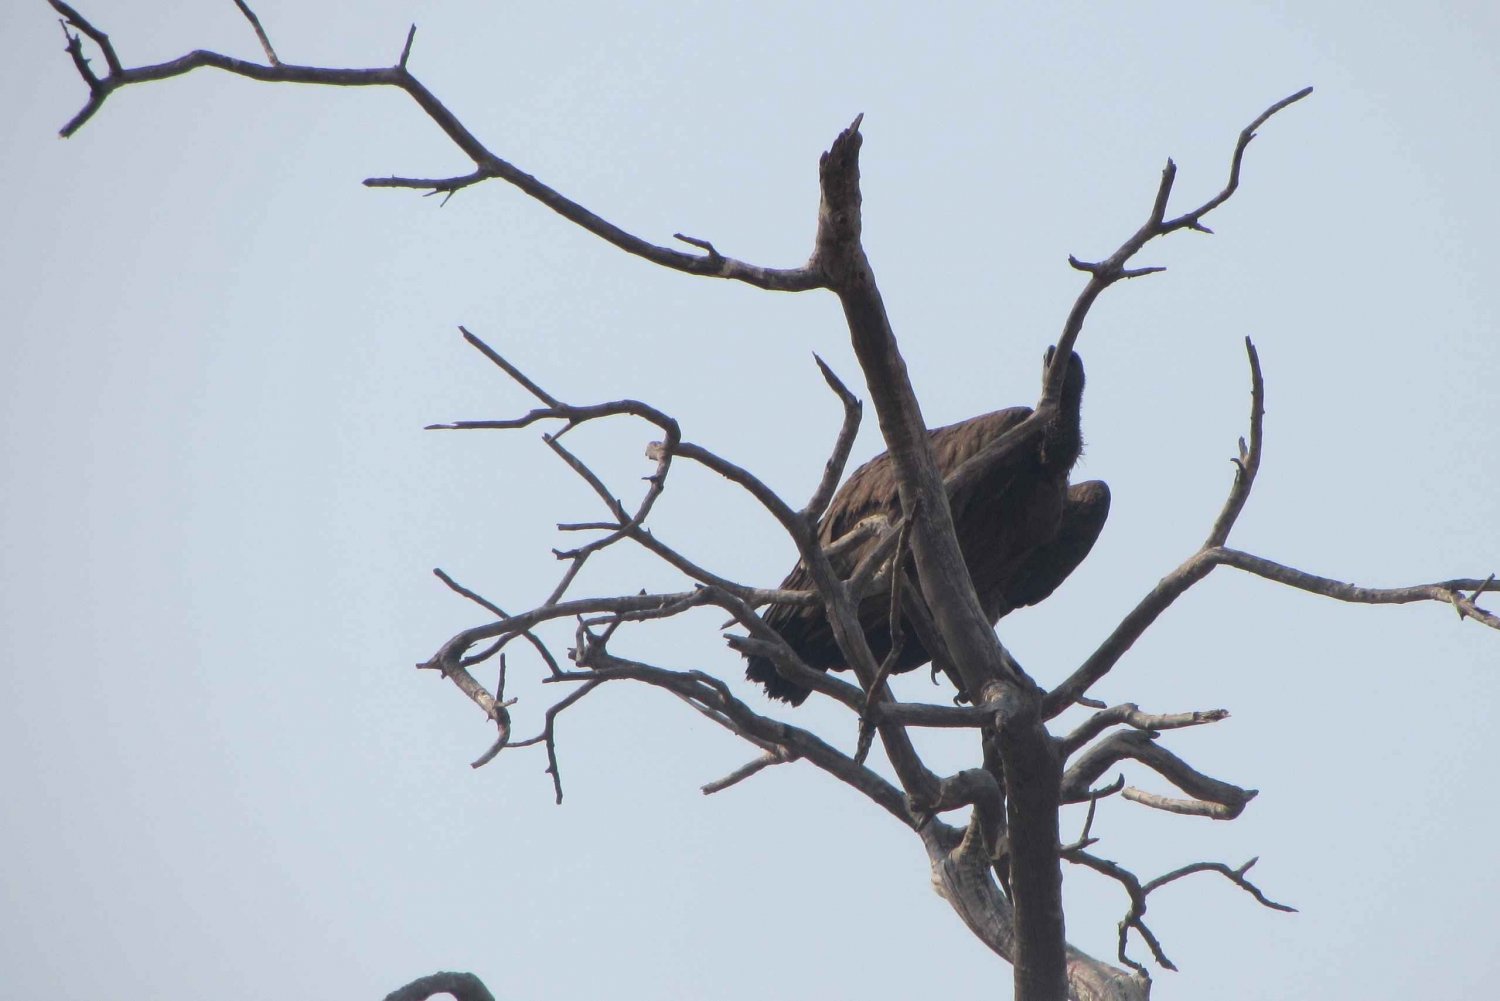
<point x="1063" y="441"/>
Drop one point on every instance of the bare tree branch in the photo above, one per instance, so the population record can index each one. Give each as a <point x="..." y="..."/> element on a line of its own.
<point x="487" y="164"/>
<point x="1130" y="714"/>
<point x="1138" y="893"/>
<point x="1247" y="463"/>
<point x="833" y="470"/>
<point x="1235" y="876"/>
<point x="1140" y="745"/>
<point x="776" y="757"/>
<point x="1214" y="554"/>
<point x="1103" y="274"/>
<point x="265" y="43"/>
<point x="740" y="719"/>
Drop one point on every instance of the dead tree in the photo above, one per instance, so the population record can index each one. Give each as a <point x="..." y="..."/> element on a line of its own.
<point x="1000" y="868"/>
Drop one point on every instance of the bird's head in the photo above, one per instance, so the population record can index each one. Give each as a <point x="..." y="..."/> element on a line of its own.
<point x="1072" y="390"/>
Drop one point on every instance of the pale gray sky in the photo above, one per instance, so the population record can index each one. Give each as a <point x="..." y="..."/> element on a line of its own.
<point x="222" y="776"/>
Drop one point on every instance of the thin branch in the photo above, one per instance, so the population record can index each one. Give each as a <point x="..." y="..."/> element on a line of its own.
<point x="1105" y="273"/>
<point x="1200" y="564"/>
<point x="1247" y="464"/>
<point x="1235" y="876"/>
<point x="548" y="736"/>
<point x="411" y="35"/>
<point x="488" y="165"/>
<point x="1138" y="894"/>
<point x="98" y="37"/>
<point x="795" y="524"/>
<point x="516" y="374"/>
<point x="1134" y="917"/>
<point x="1130" y="714"/>
<point x="833" y="470"/>
<point x="839" y="604"/>
<point x="741" y="720"/>
<point x="74" y="49"/>
<point x="1446" y="592"/>
<point x="537" y="644"/>
<point x="260" y="33"/>
<point x="740" y="774"/>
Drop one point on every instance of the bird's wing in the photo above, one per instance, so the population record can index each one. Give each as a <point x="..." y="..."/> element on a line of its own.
<point x="1047" y="566"/>
<point x="871" y="490"/>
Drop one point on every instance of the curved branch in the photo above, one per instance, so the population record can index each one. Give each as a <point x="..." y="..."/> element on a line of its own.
<point x="1247" y="464"/>
<point x="487" y="164"/>
<point x="1216" y="798"/>
<point x="1103" y="274"/>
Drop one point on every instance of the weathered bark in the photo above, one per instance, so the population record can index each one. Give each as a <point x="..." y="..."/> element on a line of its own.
<point x="1040" y="943"/>
<point x="962" y="875"/>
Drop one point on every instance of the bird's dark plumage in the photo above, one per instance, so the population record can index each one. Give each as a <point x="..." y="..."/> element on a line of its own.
<point x="1022" y="530"/>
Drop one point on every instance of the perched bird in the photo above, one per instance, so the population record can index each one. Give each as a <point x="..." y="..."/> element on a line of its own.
<point x="1021" y="528"/>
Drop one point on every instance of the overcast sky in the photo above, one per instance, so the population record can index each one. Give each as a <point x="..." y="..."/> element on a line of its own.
<point x="222" y="776"/>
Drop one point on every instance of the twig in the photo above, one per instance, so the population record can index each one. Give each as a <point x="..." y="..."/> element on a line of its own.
<point x="411" y="35"/>
<point x="516" y="374"/>
<point x="260" y="33"/>
<point x="776" y="757"/>
<point x="738" y="718"/>
<point x="1247" y="464"/>
<point x="540" y="647"/>
<point x="1235" y="876"/>
<point x="98" y="37"/>
<point x="833" y="470"/>
<point x="548" y="736"/>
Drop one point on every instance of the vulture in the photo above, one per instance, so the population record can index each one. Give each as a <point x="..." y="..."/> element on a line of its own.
<point x="1021" y="528"/>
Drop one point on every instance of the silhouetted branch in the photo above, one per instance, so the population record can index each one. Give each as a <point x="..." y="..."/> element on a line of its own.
<point x="1103" y="274"/>
<point x="265" y="43"/>
<point x="1139" y="892"/>
<point x="738" y="718"/>
<point x="1235" y="876"/>
<point x="487" y="164"/>
<point x="1247" y="463"/>
<point x="776" y="757"/>
<point x="1214" y="554"/>
<point x="833" y="470"/>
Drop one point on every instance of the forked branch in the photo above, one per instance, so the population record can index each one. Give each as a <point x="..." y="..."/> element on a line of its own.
<point x="486" y="163"/>
<point x="1213" y="553"/>
<point x="1103" y="274"/>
